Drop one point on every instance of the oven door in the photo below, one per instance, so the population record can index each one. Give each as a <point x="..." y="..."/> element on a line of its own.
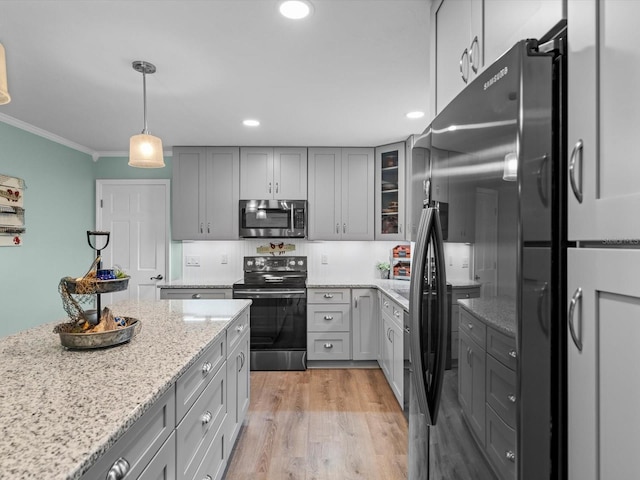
<point x="278" y="320"/>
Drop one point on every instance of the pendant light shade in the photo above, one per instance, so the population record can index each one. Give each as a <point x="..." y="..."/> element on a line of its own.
<point x="145" y="151"/>
<point x="4" y="90"/>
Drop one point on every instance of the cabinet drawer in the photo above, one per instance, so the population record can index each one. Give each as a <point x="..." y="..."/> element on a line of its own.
<point x="501" y="390"/>
<point x="502" y="347"/>
<point x="325" y="318"/>
<point x="142" y="440"/>
<point x="473" y="327"/>
<point x="391" y="309"/>
<point x="329" y="346"/>
<point x="195" y="293"/>
<point x="235" y="331"/>
<point x="163" y="465"/>
<point x="333" y="295"/>
<point x="215" y="458"/>
<point x="460" y="293"/>
<point x="192" y="382"/>
<point x="501" y="446"/>
<point x="199" y="425"/>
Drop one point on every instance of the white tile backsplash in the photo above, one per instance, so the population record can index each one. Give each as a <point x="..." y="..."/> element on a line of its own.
<point x="346" y="261"/>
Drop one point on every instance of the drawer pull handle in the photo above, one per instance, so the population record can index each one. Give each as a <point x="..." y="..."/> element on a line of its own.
<point x="328" y="295"/>
<point x="513" y="354"/>
<point x="196" y="296"/>
<point x="470" y="326"/>
<point x="396" y="313"/>
<point x="206" y="417"/>
<point x="206" y="367"/>
<point x="242" y="359"/>
<point x="118" y="470"/>
<point x="386" y="304"/>
<point x="240" y="328"/>
<point x="208" y="477"/>
<point x="328" y="345"/>
<point x="511" y="397"/>
<point x="510" y="456"/>
<point x="328" y="317"/>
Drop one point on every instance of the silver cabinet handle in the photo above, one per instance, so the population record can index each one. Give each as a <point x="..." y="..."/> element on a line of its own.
<point x="576" y="154"/>
<point x="337" y="228"/>
<point x="206" y="367"/>
<point x="209" y="227"/>
<point x="577" y="296"/>
<point x="470" y="326"/>
<point x="328" y="317"/>
<point x="328" y="295"/>
<point x="386" y="304"/>
<point x="240" y="328"/>
<point x="465" y="76"/>
<point x="206" y="417"/>
<point x="513" y="354"/>
<point x="118" y="470"/>
<point x="202" y="228"/>
<point x="344" y="228"/>
<point x="328" y="345"/>
<point x="242" y="359"/>
<point x="396" y="313"/>
<point x="511" y="397"/>
<point x="208" y="477"/>
<point x="269" y="187"/>
<point x="355" y="300"/>
<point x="472" y="57"/>
<point x="277" y="187"/>
<point x="196" y="296"/>
<point x="509" y="455"/>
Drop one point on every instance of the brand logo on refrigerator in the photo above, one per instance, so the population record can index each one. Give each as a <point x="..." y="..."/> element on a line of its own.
<point x="496" y="77"/>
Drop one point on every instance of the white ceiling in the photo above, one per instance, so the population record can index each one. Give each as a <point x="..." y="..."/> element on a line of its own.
<point x="346" y="76"/>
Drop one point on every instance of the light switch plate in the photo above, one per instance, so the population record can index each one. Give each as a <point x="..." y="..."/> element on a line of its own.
<point x="192" y="261"/>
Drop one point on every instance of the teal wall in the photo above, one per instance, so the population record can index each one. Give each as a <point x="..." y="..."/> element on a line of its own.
<point x="59" y="208"/>
<point x="59" y="204"/>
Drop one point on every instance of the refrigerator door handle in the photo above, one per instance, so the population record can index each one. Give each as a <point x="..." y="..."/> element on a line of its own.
<point x="576" y="153"/>
<point x="577" y="296"/>
<point x="428" y="396"/>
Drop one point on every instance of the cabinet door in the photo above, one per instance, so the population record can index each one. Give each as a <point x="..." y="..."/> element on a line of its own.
<point x="602" y="100"/>
<point x="458" y="25"/>
<point x="386" y="348"/>
<point x="290" y="173"/>
<point x="325" y="217"/>
<point x="357" y="194"/>
<point x="238" y="388"/>
<point x="506" y="23"/>
<point x="397" y="362"/>
<point x="471" y="384"/>
<point x="256" y="173"/>
<point x="390" y="192"/>
<point x="364" y="336"/>
<point x="163" y="465"/>
<point x="187" y="203"/>
<point x="222" y="195"/>
<point x="603" y="378"/>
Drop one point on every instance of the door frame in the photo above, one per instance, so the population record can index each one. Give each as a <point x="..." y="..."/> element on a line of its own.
<point x="100" y="183"/>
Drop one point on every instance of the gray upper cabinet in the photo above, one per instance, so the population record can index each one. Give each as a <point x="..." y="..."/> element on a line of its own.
<point x="205" y="193"/>
<point x="273" y="173"/>
<point x="390" y="192"/>
<point x="341" y="193"/>
<point x="471" y="34"/>
<point x="603" y="95"/>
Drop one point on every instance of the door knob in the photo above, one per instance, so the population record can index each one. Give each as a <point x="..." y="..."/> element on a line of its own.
<point x="157" y="277"/>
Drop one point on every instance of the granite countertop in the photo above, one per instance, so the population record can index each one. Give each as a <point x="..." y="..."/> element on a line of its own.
<point x="497" y="312"/>
<point x="60" y="409"/>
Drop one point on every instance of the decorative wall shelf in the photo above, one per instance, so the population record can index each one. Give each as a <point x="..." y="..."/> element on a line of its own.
<point x="11" y="211"/>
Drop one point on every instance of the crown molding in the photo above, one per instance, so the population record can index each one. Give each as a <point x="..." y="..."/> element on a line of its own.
<point x="48" y="135"/>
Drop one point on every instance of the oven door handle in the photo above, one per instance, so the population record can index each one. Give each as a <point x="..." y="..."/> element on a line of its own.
<point x="269" y="294"/>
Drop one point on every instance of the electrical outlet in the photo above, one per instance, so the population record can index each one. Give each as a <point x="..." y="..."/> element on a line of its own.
<point x="465" y="262"/>
<point x="192" y="261"/>
<point x="224" y="258"/>
<point x="324" y="259"/>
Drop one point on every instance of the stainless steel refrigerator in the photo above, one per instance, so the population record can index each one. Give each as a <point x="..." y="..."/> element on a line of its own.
<point x="495" y="182"/>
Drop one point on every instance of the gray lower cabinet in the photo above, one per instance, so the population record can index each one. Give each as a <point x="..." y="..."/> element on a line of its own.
<point x="329" y="324"/>
<point x="365" y="324"/>
<point x="458" y="293"/>
<point x="238" y="386"/>
<point x="205" y="193"/>
<point x="163" y="465"/>
<point x="195" y="293"/>
<point x="391" y="345"/>
<point x="486" y="390"/>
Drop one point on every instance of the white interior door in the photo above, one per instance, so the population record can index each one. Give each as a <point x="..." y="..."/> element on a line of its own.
<point x="136" y="212"/>
<point x="486" y="245"/>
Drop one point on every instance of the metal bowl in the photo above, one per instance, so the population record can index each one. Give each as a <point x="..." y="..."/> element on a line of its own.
<point x="87" y="341"/>
<point x="99" y="286"/>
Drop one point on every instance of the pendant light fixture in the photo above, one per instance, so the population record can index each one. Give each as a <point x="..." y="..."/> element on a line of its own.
<point x="4" y="90"/>
<point x="145" y="151"/>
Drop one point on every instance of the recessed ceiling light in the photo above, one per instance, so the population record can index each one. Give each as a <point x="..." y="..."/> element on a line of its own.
<point x="295" y="9"/>
<point x="415" y="114"/>
<point x="250" y="123"/>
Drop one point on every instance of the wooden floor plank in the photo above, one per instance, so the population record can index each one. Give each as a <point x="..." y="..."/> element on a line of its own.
<point x="337" y="424"/>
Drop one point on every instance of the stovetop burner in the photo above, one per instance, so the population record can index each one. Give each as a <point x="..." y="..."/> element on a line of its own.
<point x="274" y="272"/>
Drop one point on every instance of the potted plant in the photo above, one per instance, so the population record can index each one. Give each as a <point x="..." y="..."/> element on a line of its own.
<point x="384" y="268"/>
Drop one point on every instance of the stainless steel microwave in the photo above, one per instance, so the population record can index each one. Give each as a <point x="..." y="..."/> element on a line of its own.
<point x="273" y="218"/>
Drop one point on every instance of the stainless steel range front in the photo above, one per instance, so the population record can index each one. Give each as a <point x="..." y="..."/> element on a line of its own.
<point x="277" y="288"/>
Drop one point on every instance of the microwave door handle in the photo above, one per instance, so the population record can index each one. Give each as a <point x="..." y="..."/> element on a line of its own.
<point x="292" y="219"/>
<point x="416" y="307"/>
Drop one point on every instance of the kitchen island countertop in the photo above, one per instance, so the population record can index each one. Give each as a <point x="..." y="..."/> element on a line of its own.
<point x="61" y="410"/>
<point x="497" y="312"/>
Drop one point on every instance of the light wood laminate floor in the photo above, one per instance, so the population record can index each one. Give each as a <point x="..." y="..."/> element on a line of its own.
<point x="337" y="424"/>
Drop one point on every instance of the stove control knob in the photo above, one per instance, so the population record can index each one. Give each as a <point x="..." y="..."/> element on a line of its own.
<point x="249" y="262"/>
<point x="260" y="262"/>
<point x="300" y="262"/>
<point x="292" y="262"/>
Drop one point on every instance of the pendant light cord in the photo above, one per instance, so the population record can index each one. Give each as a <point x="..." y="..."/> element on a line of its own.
<point x="144" y="96"/>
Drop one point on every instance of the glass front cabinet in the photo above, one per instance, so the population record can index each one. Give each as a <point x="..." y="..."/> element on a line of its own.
<point x="390" y="179"/>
